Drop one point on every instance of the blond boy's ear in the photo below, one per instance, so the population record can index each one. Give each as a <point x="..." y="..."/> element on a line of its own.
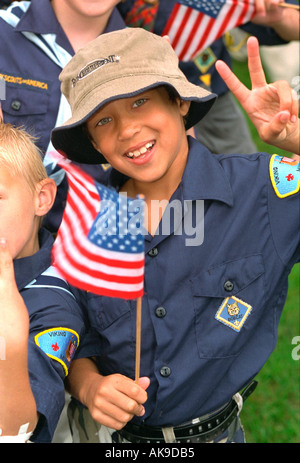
<point x="46" y="192"/>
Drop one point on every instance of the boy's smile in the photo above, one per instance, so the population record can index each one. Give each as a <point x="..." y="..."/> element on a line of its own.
<point x="140" y="153"/>
<point x="143" y="136"/>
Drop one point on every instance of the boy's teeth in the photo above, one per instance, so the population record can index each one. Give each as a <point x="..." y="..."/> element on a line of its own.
<point x="141" y="151"/>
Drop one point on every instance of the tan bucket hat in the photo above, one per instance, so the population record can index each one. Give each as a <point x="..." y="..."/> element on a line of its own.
<point x="117" y="65"/>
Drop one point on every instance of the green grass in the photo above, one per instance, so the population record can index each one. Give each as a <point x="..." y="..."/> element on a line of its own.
<point x="272" y="413"/>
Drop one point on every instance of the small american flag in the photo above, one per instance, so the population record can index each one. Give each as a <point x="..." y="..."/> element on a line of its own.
<point x="100" y="243"/>
<point x="195" y="24"/>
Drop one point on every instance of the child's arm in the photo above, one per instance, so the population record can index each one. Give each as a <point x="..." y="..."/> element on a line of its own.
<point x="273" y="108"/>
<point x="112" y="400"/>
<point x="284" y="20"/>
<point x="17" y="404"/>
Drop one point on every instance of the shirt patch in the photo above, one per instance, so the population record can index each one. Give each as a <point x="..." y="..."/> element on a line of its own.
<point x="285" y="175"/>
<point x="233" y="312"/>
<point x="59" y="344"/>
<point x="205" y="60"/>
<point x="24" y="81"/>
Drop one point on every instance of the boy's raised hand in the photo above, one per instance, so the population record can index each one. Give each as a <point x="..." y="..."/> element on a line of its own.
<point x="273" y="108"/>
<point x="14" y="319"/>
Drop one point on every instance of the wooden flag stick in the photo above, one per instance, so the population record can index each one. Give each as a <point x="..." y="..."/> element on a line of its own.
<point x="138" y="326"/>
<point x="289" y="5"/>
<point x="138" y="338"/>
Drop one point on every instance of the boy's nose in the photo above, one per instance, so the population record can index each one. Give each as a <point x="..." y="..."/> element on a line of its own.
<point x="128" y="128"/>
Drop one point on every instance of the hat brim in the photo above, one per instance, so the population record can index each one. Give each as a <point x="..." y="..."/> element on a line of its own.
<point x="72" y="139"/>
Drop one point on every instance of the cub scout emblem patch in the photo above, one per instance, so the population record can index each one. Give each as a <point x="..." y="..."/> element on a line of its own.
<point x="233" y="312"/>
<point x="205" y="60"/>
<point x="59" y="344"/>
<point x="285" y="175"/>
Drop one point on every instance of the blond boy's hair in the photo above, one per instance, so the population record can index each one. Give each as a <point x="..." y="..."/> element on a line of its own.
<point x="20" y="155"/>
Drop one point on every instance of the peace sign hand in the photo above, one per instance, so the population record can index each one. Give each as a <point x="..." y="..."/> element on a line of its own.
<point x="273" y="108"/>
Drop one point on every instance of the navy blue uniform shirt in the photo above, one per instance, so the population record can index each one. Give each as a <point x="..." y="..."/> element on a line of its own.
<point x="210" y="311"/>
<point x="54" y="315"/>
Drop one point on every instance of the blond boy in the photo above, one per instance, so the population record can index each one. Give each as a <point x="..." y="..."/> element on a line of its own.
<point x="39" y="316"/>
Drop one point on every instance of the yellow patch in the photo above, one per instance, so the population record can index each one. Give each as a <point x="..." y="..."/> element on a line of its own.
<point x="285" y="175"/>
<point x="59" y="344"/>
<point x="233" y="312"/>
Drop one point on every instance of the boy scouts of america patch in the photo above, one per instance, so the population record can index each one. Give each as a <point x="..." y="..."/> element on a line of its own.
<point x="233" y="312"/>
<point x="285" y="175"/>
<point x="59" y="344"/>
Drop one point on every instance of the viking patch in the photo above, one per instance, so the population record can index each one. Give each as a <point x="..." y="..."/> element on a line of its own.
<point x="285" y="175"/>
<point x="59" y="344"/>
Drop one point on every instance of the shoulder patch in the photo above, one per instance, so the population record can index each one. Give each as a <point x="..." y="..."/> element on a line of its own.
<point x="285" y="175"/>
<point x="59" y="344"/>
<point x="105" y="166"/>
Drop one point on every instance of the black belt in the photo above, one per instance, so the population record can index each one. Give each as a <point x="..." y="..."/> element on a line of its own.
<point x="206" y="429"/>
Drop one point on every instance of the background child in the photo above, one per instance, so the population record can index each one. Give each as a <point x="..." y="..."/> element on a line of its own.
<point x="211" y="310"/>
<point x="40" y="322"/>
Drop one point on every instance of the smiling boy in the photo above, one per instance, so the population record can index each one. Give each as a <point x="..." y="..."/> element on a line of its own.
<point x="196" y="356"/>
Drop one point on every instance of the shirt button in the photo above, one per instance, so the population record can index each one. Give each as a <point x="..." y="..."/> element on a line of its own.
<point x="165" y="371"/>
<point x="153" y="252"/>
<point x="228" y="286"/>
<point x="16" y="105"/>
<point x="160" y="312"/>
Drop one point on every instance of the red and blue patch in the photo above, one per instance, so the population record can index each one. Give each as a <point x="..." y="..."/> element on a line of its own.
<point x="285" y="175"/>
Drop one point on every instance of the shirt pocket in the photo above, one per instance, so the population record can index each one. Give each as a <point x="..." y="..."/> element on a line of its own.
<point x="228" y="303"/>
<point x="27" y="107"/>
<point x="114" y="321"/>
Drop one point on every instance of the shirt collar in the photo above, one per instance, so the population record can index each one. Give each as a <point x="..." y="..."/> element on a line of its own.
<point x="115" y="22"/>
<point x="203" y="178"/>
<point x="34" y="21"/>
<point x="29" y="268"/>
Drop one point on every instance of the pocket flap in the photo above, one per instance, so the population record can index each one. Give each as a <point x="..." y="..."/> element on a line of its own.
<point x="22" y="102"/>
<point x="228" y="278"/>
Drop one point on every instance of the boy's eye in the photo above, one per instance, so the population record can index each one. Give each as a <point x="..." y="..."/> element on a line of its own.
<point x="104" y="121"/>
<point x="139" y="102"/>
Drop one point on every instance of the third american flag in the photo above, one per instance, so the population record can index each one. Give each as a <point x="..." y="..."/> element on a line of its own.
<point x="195" y="24"/>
